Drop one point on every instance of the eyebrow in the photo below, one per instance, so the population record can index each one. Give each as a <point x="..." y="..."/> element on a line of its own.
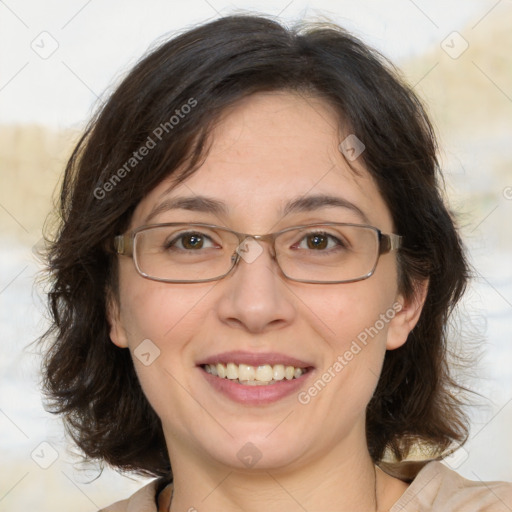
<point x="205" y="204"/>
<point x="315" y="202"/>
<point x="193" y="203"/>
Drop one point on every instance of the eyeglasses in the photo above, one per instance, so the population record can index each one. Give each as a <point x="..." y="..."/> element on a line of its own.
<point x="330" y="252"/>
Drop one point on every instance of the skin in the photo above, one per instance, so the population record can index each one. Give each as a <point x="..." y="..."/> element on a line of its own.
<point x="268" y="149"/>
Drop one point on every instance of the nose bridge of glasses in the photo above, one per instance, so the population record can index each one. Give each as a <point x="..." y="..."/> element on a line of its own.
<point x="249" y="247"/>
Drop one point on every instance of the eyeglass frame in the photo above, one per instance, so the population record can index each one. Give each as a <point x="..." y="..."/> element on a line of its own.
<point x="124" y="246"/>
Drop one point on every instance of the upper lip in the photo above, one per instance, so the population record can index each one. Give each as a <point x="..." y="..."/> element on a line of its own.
<point x="254" y="359"/>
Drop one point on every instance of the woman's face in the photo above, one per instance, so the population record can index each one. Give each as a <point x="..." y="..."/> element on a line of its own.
<point x="270" y="150"/>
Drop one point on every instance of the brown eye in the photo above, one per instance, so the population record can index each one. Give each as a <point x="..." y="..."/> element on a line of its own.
<point x="321" y="242"/>
<point x="188" y="241"/>
<point x="192" y="241"/>
<point x="317" y="241"/>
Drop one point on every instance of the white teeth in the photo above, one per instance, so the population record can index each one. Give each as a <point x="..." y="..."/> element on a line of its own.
<point x="254" y="376"/>
<point x="232" y="371"/>
<point x="246" y="372"/>
<point x="279" y="371"/>
<point x="264" y="373"/>
<point x="221" y="370"/>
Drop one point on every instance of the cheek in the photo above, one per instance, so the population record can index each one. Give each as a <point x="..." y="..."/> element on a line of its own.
<point x="352" y="321"/>
<point x="154" y="310"/>
<point x="358" y="339"/>
<point x="350" y="312"/>
<point x="160" y="321"/>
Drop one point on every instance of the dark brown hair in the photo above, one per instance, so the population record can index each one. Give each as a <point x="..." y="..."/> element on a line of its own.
<point x="209" y="68"/>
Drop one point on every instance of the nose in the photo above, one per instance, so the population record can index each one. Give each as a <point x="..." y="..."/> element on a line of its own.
<point x="255" y="296"/>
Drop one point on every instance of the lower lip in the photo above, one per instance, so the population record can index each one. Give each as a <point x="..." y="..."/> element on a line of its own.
<point x="256" y="395"/>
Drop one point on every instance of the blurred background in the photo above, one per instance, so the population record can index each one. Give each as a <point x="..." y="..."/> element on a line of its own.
<point x="58" y="60"/>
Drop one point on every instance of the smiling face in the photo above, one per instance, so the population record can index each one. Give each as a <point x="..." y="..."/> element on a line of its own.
<point x="269" y="151"/>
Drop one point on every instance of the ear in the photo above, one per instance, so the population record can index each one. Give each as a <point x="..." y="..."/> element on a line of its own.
<point x="117" y="331"/>
<point x="408" y="311"/>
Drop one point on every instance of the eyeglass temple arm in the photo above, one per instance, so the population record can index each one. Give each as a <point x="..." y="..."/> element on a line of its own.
<point x="388" y="243"/>
<point x="123" y="244"/>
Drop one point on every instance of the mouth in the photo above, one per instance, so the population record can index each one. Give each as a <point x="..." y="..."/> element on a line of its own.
<point x="255" y="378"/>
<point x="249" y="375"/>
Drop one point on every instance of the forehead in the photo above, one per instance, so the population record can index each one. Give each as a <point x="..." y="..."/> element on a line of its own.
<point x="268" y="150"/>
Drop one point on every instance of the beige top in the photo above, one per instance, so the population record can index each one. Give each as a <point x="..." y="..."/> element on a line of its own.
<point x="435" y="489"/>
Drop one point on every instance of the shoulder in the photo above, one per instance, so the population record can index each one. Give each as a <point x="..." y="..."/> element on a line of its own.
<point x="141" y="501"/>
<point x="438" y="488"/>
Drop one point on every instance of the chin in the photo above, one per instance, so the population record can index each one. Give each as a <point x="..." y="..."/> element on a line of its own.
<point x="258" y="450"/>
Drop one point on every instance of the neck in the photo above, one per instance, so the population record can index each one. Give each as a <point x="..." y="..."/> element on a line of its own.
<point x="341" y="480"/>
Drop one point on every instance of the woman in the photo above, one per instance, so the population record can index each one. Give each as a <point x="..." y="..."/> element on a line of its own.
<point x="252" y="280"/>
